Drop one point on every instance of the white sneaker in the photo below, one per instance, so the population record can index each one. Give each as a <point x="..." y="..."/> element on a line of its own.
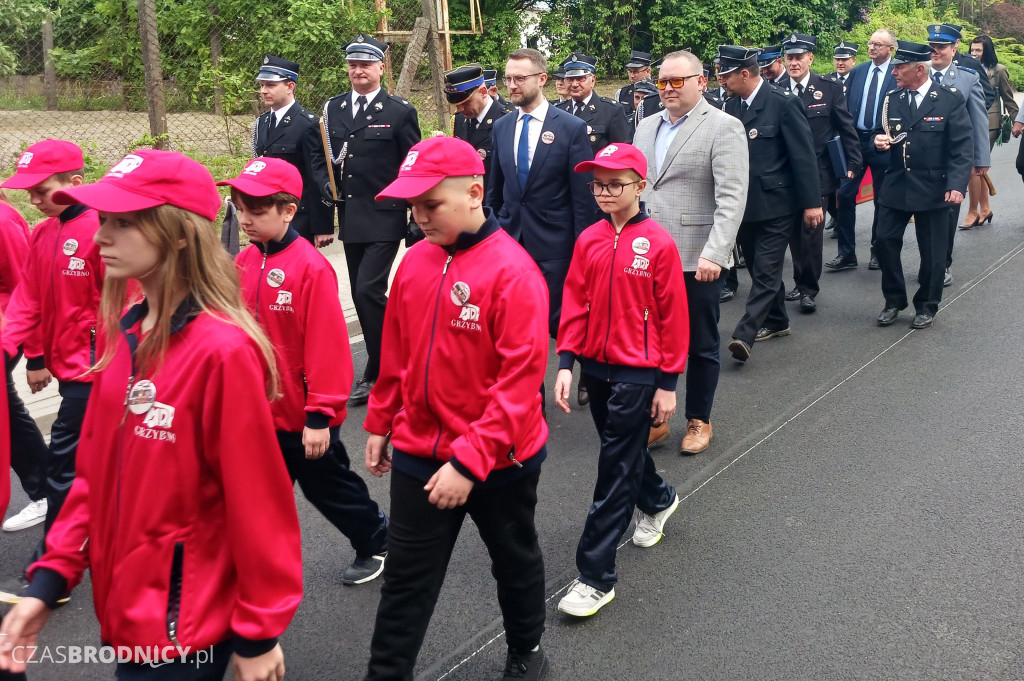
<point x="650" y="528"/>
<point x="30" y="516"/>
<point x="584" y="600"/>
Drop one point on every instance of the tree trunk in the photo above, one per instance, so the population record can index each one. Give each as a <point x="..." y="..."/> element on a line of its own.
<point x="154" y="78"/>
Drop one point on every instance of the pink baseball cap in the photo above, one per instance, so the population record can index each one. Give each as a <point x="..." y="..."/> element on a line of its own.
<point x="147" y="178"/>
<point x="429" y="162"/>
<point x="43" y="159"/>
<point x="617" y="157"/>
<point x="265" y="176"/>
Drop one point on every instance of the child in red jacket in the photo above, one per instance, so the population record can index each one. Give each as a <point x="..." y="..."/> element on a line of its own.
<point x="181" y="510"/>
<point x="465" y="348"/>
<point x="292" y="291"/>
<point x="52" y="316"/>
<point x="624" y="317"/>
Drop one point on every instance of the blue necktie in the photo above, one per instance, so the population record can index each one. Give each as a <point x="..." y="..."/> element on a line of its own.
<point x="868" y="117"/>
<point x="523" y="153"/>
<point x="937" y="77"/>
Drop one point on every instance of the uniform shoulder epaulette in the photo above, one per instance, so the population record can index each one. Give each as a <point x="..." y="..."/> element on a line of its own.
<point x="832" y="77"/>
<point x="892" y="91"/>
<point x="610" y="100"/>
<point x="968" y="69"/>
<point x="785" y="92"/>
<point x="404" y="102"/>
<point x="303" y="111"/>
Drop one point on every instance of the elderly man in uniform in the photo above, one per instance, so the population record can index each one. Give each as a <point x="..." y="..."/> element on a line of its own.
<point x="943" y="40"/>
<point x="782" y="193"/>
<point x="369" y="132"/>
<point x="604" y="117"/>
<point x="291" y="133"/>
<point x="464" y="87"/>
<point x="824" y="105"/>
<point x="638" y="68"/>
<point x="928" y="130"/>
<point x="773" y="69"/>
<point x="697" y="176"/>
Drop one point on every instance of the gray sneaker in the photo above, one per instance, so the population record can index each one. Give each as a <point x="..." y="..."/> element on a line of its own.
<point x="364" y="570"/>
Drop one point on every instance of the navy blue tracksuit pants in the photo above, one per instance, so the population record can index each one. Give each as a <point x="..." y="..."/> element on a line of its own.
<point x="626" y="476"/>
<point x="29" y="453"/>
<point x="337" y="492"/>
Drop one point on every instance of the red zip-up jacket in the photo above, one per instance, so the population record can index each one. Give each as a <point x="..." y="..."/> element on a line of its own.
<point x="5" y="444"/>
<point x="184" y="513"/>
<point x="463" y="356"/>
<point x="624" y="305"/>
<point x="14" y="237"/>
<point x="59" y="295"/>
<point x="292" y="291"/>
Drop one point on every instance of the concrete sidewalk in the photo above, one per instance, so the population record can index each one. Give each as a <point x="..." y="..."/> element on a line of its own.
<point x="43" y="405"/>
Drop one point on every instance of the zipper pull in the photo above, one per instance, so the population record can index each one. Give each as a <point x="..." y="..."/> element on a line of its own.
<point x="616" y="244"/>
<point x="445" y="270"/>
<point x="646" y="311"/>
<point x="512" y="457"/>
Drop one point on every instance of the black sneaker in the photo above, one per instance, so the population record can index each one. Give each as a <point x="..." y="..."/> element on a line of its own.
<point x="364" y="570"/>
<point x="13" y="590"/>
<point x="529" y="666"/>
<point x="764" y="333"/>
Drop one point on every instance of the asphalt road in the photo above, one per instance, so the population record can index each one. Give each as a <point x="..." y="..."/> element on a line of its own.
<point x="858" y="515"/>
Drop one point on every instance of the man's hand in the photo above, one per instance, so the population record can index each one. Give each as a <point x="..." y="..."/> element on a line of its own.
<point x="663" y="406"/>
<point x="882" y="142"/>
<point x="813" y="217"/>
<point x="321" y="240"/>
<point x="707" y="270"/>
<point x="1017" y="129"/>
<point x="316" y="441"/>
<point x="38" y="380"/>
<point x="954" y="197"/>
<point x="378" y="459"/>
<point x="563" y="383"/>
<point x="448" y="487"/>
<point x="266" y="667"/>
<point x="849" y="174"/>
<point x="980" y="170"/>
<point x="19" y="631"/>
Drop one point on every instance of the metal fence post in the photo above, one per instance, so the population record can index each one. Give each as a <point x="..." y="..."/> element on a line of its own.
<point x="49" y="71"/>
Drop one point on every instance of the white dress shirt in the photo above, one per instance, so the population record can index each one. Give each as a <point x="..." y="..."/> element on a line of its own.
<point x="537" y="117"/>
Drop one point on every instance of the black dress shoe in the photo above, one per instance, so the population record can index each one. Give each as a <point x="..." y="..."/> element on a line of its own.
<point x="888" y="316"/>
<point x="834" y="234"/>
<point x="361" y="393"/>
<point x="793" y="295"/>
<point x="582" y="395"/>
<point x="921" y="321"/>
<point x="831" y="224"/>
<point x="947" y="279"/>
<point x="739" y="349"/>
<point x="873" y="263"/>
<point x="807" y="304"/>
<point x="726" y="295"/>
<point x="842" y="262"/>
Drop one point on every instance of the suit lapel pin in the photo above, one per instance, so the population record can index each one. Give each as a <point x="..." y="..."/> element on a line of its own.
<point x="752" y="134"/>
<point x="378" y="106"/>
<point x="489" y="121"/>
<point x="548" y="137"/>
<point x="482" y="152"/>
<point x="344" y="103"/>
<point x="818" y="94"/>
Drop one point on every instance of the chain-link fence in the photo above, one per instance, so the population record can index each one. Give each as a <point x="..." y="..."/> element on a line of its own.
<point x="112" y="75"/>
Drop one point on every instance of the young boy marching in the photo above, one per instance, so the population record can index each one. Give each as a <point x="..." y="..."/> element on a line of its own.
<point x="624" y="317"/>
<point x="465" y="347"/>
<point x="53" y="311"/>
<point x="292" y="291"/>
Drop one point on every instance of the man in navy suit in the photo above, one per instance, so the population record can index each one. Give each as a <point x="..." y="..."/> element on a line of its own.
<point x="532" y="188"/>
<point x="865" y="89"/>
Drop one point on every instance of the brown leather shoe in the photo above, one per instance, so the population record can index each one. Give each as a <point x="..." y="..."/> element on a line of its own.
<point x="658" y="434"/>
<point x="697" y="438"/>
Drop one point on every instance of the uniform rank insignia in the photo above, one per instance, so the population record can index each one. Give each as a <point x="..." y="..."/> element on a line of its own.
<point x="287" y="119"/>
<point x="593" y="108"/>
<point x="378" y="106"/>
<point x="933" y="119"/>
<point x="344" y="103"/>
<point x="489" y="121"/>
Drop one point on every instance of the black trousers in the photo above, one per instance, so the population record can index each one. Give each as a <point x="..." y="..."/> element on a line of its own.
<point x="932" y="228"/>
<point x="420" y="547"/>
<point x="954" y="220"/>
<point x="626" y="476"/>
<point x="704" y="362"/>
<point x="205" y="665"/>
<point x="369" y="266"/>
<point x="60" y="465"/>
<point x="764" y="247"/>
<point x="846" y="221"/>
<point x="29" y="453"/>
<point x="554" y="272"/>
<point x="337" y="492"/>
<point x="806" y="246"/>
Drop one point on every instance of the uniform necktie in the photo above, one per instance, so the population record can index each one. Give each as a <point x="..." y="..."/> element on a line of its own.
<point x="360" y="106"/>
<point x="577" y="108"/>
<point x="869" y="105"/>
<point x="937" y="77"/>
<point x="842" y="80"/>
<point x="913" y="102"/>
<point x="272" y="125"/>
<point x="744" y="106"/>
<point x="523" y="153"/>
<point x="471" y="125"/>
<point x="799" y="89"/>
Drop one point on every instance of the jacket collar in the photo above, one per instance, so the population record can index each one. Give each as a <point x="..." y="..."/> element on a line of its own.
<point x="187" y="311"/>
<point x="467" y="240"/>
<point x="639" y="217"/>
<point x="72" y="212"/>
<point x="273" y="246"/>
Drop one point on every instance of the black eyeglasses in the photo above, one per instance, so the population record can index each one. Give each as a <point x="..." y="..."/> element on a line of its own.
<point x="676" y="82"/>
<point x="612" y="188"/>
<point x="518" y="80"/>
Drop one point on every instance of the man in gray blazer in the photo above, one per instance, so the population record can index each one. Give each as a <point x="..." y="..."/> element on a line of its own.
<point x="697" y="176"/>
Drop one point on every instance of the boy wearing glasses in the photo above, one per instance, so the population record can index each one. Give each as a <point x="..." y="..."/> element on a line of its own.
<point x="625" y="318"/>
